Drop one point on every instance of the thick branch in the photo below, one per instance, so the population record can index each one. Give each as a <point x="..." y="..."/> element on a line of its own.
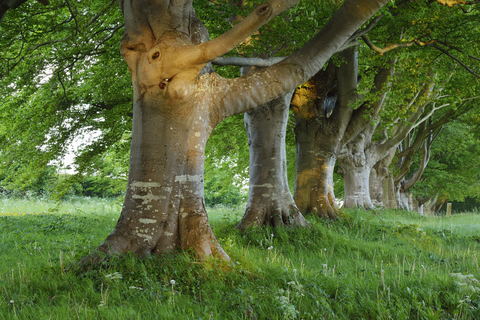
<point x="246" y="62"/>
<point x="358" y="120"/>
<point x="230" y="39"/>
<point x="413" y="179"/>
<point x="267" y="84"/>
<point x="425" y="133"/>
<point x="404" y="129"/>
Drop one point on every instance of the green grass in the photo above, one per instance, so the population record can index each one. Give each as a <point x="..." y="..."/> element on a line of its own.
<point x="382" y="265"/>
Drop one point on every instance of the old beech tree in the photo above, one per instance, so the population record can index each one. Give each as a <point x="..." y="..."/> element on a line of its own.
<point x="178" y="101"/>
<point x="176" y="107"/>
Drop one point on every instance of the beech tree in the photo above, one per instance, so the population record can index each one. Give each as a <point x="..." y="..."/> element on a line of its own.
<point x="322" y="130"/>
<point x="419" y="143"/>
<point x="452" y="173"/>
<point x="176" y="107"/>
<point x="430" y="39"/>
<point x="269" y="200"/>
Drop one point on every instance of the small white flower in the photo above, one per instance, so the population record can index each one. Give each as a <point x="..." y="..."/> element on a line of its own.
<point x="115" y="275"/>
<point x="295" y="271"/>
<point x="136" y="288"/>
<point x="172" y="282"/>
<point x="11" y="301"/>
<point x="270" y="248"/>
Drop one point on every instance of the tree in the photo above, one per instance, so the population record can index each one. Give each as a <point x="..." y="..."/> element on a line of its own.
<point x="60" y="80"/>
<point x="327" y="119"/>
<point x="453" y="172"/>
<point x="269" y="200"/>
<point x="176" y="106"/>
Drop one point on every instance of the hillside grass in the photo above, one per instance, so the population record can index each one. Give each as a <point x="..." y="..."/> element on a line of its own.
<point x="366" y="265"/>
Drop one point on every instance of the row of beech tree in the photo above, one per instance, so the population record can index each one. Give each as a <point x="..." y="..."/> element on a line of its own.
<point x="371" y="75"/>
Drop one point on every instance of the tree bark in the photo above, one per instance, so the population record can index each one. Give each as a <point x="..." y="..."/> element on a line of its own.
<point x="269" y="199"/>
<point x="322" y="112"/>
<point x="381" y="182"/>
<point x="176" y="106"/>
<point x="355" y="167"/>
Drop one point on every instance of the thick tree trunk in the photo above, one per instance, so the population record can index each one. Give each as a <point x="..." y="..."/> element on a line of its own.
<point x="402" y="200"/>
<point x="314" y="178"/>
<point x="380" y="177"/>
<point x="269" y="199"/>
<point x="164" y="207"/>
<point x="389" y="199"/>
<point x="322" y="112"/>
<point x="355" y="170"/>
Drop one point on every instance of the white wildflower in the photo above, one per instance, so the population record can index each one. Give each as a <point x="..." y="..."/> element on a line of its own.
<point x="135" y="288"/>
<point x="172" y="282"/>
<point x="114" y="276"/>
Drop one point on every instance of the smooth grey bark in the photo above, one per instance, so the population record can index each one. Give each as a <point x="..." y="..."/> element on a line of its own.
<point x="381" y="183"/>
<point x="355" y="167"/>
<point x="269" y="199"/>
<point x="421" y="139"/>
<point x="320" y="139"/>
<point x="176" y="107"/>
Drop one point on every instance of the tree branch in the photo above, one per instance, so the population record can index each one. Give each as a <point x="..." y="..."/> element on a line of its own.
<point x="245" y="62"/>
<point x="77" y="30"/>
<point x="227" y="41"/>
<point x="393" y="46"/>
<point x="458" y="60"/>
<point x="266" y="84"/>
<point x="100" y="13"/>
<point x="13" y="4"/>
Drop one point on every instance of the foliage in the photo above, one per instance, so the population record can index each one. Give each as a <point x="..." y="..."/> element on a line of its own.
<point x="453" y="172"/>
<point x="60" y="81"/>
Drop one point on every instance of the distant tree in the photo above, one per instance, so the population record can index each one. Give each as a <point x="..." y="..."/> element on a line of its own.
<point x="453" y="173"/>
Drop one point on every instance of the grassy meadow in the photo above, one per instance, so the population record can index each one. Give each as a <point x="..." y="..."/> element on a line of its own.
<point x="366" y="265"/>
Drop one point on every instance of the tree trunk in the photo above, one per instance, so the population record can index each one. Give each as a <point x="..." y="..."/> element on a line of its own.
<point x="402" y="198"/>
<point x="389" y="199"/>
<point x="269" y="199"/>
<point x="355" y="170"/>
<point x="314" y="179"/>
<point x="322" y="112"/>
<point x="379" y="182"/>
<point x="164" y="207"/>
